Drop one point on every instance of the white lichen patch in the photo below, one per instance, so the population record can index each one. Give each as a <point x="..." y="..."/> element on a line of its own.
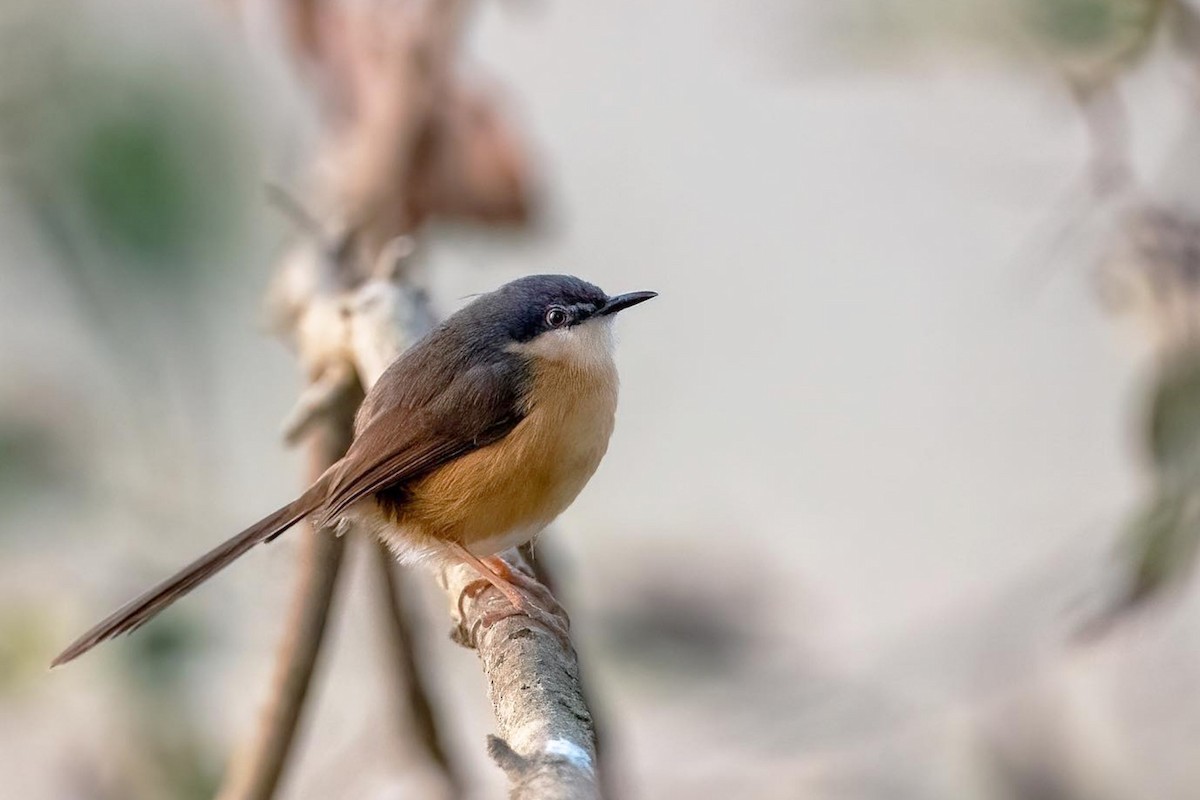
<point x="571" y="752"/>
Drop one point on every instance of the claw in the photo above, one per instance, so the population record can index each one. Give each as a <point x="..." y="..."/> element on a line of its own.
<point x="523" y="593"/>
<point x="553" y="622"/>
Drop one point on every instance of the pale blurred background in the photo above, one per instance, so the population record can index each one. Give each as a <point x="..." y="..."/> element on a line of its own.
<point x="879" y="437"/>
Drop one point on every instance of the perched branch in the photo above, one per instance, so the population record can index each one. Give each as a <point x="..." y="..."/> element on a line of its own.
<point x="541" y="560"/>
<point x="548" y="749"/>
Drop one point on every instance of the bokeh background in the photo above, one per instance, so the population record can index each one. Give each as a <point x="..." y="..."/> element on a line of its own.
<point x="891" y="435"/>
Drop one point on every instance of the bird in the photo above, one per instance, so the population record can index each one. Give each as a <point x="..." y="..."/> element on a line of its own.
<point x="471" y="442"/>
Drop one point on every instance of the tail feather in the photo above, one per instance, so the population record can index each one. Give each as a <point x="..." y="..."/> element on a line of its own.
<point x="141" y="609"/>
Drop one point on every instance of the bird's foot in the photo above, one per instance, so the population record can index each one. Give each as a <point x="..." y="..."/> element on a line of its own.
<point x="523" y="582"/>
<point x="526" y="596"/>
<point x="556" y="623"/>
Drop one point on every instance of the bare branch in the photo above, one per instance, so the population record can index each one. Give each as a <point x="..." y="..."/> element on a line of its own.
<point x="318" y="401"/>
<point x="256" y="770"/>
<point x="548" y="749"/>
<point x="410" y="696"/>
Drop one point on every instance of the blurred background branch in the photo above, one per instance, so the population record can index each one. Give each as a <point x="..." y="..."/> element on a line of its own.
<point x="407" y="666"/>
<point x="257" y="766"/>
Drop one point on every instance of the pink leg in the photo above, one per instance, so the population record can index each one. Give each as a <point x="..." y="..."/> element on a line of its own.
<point x="514" y="585"/>
<point x="519" y="579"/>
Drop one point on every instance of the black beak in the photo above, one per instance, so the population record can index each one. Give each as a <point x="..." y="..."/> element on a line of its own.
<point x="623" y="301"/>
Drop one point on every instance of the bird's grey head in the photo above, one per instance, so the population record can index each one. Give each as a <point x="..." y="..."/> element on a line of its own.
<point x="553" y="316"/>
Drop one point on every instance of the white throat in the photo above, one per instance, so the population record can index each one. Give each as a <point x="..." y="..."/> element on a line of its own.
<point x="585" y="346"/>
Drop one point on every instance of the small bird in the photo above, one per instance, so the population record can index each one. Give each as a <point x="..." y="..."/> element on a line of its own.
<point x="471" y="442"/>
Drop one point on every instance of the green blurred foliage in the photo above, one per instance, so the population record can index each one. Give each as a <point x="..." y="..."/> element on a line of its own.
<point x="135" y="163"/>
<point x="1082" y="35"/>
<point x="1173" y="425"/>
<point x="1092" y="40"/>
<point x="154" y="661"/>
<point x="27" y="460"/>
<point x="1088" y="23"/>
<point x="136" y="166"/>
<point x="154" y="666"/>
<point x="24" y="642"/>
<point x="148" y="174"/>
<point x="132" y="174"/>
<point x="1161" y="544"/>
<point x="1163" y="537"/>
<point x="888" y="25"/>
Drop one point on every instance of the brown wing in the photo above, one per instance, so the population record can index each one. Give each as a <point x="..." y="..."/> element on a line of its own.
<point x="399" y="443"/>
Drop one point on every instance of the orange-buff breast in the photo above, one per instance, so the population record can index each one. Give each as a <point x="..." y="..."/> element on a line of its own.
<point x="502" y="495"/>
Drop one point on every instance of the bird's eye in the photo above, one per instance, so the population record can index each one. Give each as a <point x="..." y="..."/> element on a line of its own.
<point x="556" y="317"/>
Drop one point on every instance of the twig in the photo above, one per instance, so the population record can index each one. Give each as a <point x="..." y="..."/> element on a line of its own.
<point x="294" y="210"/>
<point x="410" y="693"/>
<point x="257" y="767"/>
<point x="318" y="400"/>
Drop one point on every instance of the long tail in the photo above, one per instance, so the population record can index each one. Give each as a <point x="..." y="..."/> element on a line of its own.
<point x="140" y="610"/>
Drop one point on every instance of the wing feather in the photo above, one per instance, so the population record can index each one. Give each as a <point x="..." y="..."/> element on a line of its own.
<point x="399" y="443"/>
